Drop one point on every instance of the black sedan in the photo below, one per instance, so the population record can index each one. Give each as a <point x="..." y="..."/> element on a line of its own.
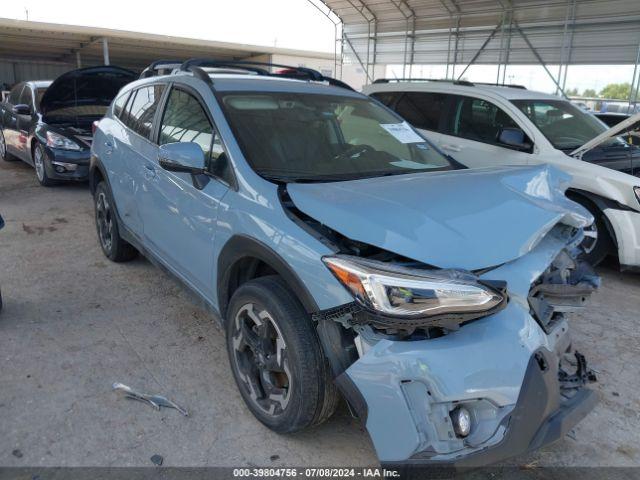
<point x="49" y="124"/>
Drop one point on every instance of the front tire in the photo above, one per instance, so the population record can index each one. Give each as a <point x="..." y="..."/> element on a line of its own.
<point x="113" y="246"/>
<point x="4" y="154"/>
<point x="39" y="159"/>
<point x="276" y="358"/>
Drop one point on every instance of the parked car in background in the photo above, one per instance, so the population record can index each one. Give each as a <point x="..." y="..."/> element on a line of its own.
<point x="339" y="247"/>
<point x="49" y="124"/>
<point x="484" y="125"/>
<point x="611" y="119"/>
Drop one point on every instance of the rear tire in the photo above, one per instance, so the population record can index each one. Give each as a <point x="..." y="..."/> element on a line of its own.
<point x="276" y="358"/>
<point x="598" y="242"/>
<point x="113" y="246"/>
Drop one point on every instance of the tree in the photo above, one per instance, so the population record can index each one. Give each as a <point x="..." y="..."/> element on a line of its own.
<point x="589" y="92"/>
<point x="618" y="91"/>
<point x="573" y="92"/>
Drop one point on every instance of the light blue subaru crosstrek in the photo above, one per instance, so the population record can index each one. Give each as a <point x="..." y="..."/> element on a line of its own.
<point x="345" y="254"/>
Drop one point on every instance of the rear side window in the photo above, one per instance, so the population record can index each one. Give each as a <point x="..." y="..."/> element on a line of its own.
<point x="141" y="109"/>
<point x="421" y="109"/>
<point x="480" y="120"/>
<point x="119" y="104"/>
<point x="386" y="98"/>
<point x="14" y="95"/>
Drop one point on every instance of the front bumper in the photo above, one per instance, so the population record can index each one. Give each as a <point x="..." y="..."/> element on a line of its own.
<point x="503" y="368"/>
<point x="67" y="164"/>
<point x="626" y="226"/>
<point x="541" y="416"/>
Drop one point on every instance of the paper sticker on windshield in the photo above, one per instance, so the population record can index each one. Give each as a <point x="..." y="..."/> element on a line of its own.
<point x="402" y="132"/>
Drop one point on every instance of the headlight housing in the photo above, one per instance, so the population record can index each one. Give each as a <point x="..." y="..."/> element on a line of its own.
<point x="408" y="293"/>
<point x="637" y="192"/>
<point x="55" y="140"/>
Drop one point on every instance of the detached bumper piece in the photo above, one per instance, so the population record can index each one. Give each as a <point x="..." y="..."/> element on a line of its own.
<point x="543" y="414"/>
<point x="564" y="287"/>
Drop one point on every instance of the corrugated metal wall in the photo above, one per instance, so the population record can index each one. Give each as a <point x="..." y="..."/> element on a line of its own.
<point x="14" y="71"/>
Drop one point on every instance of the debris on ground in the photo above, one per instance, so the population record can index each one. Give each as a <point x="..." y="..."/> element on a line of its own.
<point x="273" y="458"/>
<point x="17" y="453"/>
<point x="157" y="459"/>
<point x="156" y="401"/>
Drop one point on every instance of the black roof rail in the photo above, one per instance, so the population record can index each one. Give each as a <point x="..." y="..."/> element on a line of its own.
<point x="154" y="67"/>
<point x="508" y="85"/>
<point x="196" y="65"/>
<point x="455" y="82"/>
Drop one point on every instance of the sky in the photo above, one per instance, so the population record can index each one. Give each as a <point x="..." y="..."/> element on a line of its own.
<point x="282" y="23"/>
<point x="293" y="24"/>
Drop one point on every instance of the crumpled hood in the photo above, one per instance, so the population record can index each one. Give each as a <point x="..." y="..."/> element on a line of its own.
<point x="469" y="219"/>
<point x="85" y="86"/>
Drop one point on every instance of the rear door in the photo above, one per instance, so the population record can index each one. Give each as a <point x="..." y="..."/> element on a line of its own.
<point x="133" y="149"/>
<point x="471" y="133"/>
<point x="10" y="120"/>
<point x="24" y="123"/>
<point x="180" y="217"/>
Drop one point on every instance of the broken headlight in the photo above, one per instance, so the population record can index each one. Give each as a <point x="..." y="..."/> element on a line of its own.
<point x="397" y="291"/>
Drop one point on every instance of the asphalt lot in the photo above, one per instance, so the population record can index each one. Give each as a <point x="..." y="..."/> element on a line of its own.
<point x="74" y="323"/>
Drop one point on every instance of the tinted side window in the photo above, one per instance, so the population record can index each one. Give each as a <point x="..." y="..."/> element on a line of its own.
<point x="141" y="109"/>
<point x="14" y="95"/>
<point x="119" y="104"/>
<point x="386" y="98"/>
<point x="480" y="120"/>
<point x="26" y="97"/>
<point x="185" y="120"/>
<point x="422" y="110"/>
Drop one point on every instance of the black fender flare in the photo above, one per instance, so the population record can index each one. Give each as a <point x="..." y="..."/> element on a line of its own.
<point x="242" y="246"/>
<point x="96" y="164"/>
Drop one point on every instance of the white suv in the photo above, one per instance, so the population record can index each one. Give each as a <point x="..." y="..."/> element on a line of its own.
<point x="484" y="125"/>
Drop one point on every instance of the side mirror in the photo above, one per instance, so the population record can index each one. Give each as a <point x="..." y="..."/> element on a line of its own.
<point x="22" y="109"/>
<point x="184" y="157"/>
<point x="514" y="138"/>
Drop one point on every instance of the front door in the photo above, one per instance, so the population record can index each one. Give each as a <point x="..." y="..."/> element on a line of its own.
<point x="471" y="136"/>
<point x="179" y="217"/>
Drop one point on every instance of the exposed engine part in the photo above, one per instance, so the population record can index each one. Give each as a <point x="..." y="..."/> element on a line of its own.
<point x="581" y="373"/>
<point x="564" y="287"/>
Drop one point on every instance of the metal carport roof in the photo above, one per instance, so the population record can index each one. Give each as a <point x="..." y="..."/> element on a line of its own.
<point x="460" y="32"/>
<point x="33" y="41"/>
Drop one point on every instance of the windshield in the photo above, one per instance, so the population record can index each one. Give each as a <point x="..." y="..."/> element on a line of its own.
<point x="312" y="137"/>
<point x="566" y="126"/>
<point x="39" y="94"/>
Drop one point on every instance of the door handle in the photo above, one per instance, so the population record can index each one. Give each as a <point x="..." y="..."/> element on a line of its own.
<point x="451" y="148"/>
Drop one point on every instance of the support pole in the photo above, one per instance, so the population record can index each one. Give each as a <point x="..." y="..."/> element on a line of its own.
<point x="540" y="60"/>
<point x="105" y="50"/>
<point x="480" y="50"/>
<point x="78" y="59"/>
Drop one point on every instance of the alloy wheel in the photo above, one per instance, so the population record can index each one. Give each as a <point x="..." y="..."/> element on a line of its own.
<point x="38" y="160"/>
<point x="3" y="146"/>
<point x="104" y="219"/>
<point x="261" y="360"/>
<point x="590" y="238"/>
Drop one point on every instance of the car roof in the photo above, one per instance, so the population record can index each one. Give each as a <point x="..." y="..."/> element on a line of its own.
<point x="40" y="83"/>
<point x="509" y="93"/>
<point x="228" y="82"/>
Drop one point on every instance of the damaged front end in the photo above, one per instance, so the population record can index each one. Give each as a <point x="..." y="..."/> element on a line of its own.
<point x="510" y="373"/>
